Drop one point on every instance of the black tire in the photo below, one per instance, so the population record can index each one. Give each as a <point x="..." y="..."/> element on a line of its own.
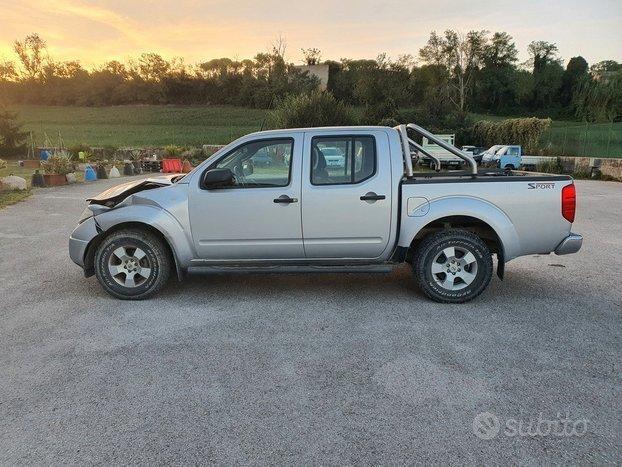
<point x="509" y="167"/>
<point x="432" y="246"/>
<point x="157" y="259"/>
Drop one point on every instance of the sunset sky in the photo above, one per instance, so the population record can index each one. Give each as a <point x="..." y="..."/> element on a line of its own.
<point x="96" y="31"/>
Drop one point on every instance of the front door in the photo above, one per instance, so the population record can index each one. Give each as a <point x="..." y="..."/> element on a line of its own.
<point x="259" y="217"/>
<point x="346" y="210"/>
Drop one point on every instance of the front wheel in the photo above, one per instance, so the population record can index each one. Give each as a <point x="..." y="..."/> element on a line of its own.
<point x="132" y="264"/>
<point x="452" y="266"/>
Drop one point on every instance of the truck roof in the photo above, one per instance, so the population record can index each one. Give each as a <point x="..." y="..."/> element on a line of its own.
<point x="344" y="129"/>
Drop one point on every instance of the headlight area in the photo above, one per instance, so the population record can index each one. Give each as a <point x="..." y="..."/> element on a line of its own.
<point x="85" y="215"/>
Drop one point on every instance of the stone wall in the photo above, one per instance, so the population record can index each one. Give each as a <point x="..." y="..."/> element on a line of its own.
<point x="607" y="167"/>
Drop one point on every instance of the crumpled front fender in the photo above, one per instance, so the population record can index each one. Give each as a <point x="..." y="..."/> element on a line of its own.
<point x="154" y="217"/>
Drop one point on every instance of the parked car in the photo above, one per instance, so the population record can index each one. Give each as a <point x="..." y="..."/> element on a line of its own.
<point x="334" y="156"/>
<point x="262" y="159"/>
<point x="475" y="151"/>
<point x="489" y="153"/>
<point x="512" y="157"/>
<point x="508" y="157"/>
<point x="300" y="217"/>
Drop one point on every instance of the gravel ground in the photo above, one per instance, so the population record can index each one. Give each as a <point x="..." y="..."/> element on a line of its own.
<point x="330" y="369"/>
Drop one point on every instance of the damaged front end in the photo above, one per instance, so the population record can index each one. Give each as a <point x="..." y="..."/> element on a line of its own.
<point x="85" y="236"/>
<point x="117" y="194"/>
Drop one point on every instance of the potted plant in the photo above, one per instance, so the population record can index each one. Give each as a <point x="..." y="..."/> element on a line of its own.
<point x="56" y="168"/>
<point x="84" y="159"/>
<point x="81" y="153"/>
<point x="136" y="157"/>
<point x="102" y="170"/>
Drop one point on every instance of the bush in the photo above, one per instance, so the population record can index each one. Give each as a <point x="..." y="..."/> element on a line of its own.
<point x="375" y="113"/>
<point x="12" y="138"/>
<point x="552" y="166"/>
<point x="523" y="131"/>
<point x="59" y="164"/>
<point x="447" y="122"/>
<point x="3" y="164"/>
<point x="173" y="151"/>
<point x="311" y="110"/>
<point x="388" y="122"/>
<point x="194" y="155"/>
<point x="77" y="148"/>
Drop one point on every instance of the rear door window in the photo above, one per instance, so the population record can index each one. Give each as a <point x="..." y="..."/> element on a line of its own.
<point x="342" y="160"/>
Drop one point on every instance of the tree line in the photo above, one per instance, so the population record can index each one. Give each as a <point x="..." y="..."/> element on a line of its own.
<point x="454" y="73"/>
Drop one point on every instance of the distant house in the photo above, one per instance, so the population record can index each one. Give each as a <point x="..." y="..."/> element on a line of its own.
<point x="319" y="71"/>
<point x="603" y="76"/>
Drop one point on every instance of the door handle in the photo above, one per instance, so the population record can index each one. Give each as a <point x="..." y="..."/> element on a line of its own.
<point x="284" y="199"/>
<point x="371" y="196"/>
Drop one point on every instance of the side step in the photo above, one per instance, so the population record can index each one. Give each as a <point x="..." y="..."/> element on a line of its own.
<point x="291" y="269"/>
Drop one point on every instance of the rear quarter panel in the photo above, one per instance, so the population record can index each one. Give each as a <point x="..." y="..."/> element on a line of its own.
<point x="524" y="211"/>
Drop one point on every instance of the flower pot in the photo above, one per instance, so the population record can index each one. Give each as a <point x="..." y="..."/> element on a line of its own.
<point x="101" y="172"/>
<point x="128" y="169"/>
<point x="186" y="166"/>
<point x="31" y="164"/>
<point x="89" y="174"/>
<point x="37" y="179"/>
<point x="54" y="179"/>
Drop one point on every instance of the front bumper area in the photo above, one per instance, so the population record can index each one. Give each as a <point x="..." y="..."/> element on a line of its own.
<point x="80" y="239"/>
<point x="571" y="244"/>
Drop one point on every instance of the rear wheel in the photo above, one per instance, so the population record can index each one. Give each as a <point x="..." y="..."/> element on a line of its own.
<point x="452" y="266"/>
<point x="132" y="264"/>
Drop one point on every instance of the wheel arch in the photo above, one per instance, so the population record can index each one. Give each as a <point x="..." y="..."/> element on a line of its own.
<point x="471" y="214"/>
<point x="471" y="224"/>
<point x="89" y="256"/>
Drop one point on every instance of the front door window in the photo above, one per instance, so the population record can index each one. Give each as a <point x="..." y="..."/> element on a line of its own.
<point x="263" y="163"/>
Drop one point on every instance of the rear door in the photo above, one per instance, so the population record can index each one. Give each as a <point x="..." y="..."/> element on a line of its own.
<point x="347" y="192"/>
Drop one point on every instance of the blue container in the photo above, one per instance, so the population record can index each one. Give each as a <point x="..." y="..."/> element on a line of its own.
<point x="44" y="155"/>
<point x="89" y="174"/>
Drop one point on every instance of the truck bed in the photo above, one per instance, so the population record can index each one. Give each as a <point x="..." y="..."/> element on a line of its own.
<point x="524" y="208"/>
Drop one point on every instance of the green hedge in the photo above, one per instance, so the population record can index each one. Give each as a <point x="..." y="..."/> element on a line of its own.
<point x="311" y="110"/>
<point x="523" y="131"/>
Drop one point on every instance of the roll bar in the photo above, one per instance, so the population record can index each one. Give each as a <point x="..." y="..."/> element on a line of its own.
<point x="419" y="148"/>
<point x="407" y="142"/>
<point x="408" y="163"/>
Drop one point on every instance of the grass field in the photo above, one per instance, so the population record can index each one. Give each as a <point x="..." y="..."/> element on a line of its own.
<point x="578" y="139"/>
<point x="139" y="125"/>
<point x="149" y="125"/>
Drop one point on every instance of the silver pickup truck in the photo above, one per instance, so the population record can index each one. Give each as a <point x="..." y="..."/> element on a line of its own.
<point x="296" y="213"/>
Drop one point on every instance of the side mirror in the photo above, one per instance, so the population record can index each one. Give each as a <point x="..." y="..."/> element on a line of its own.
<point x="217" y="178"/>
